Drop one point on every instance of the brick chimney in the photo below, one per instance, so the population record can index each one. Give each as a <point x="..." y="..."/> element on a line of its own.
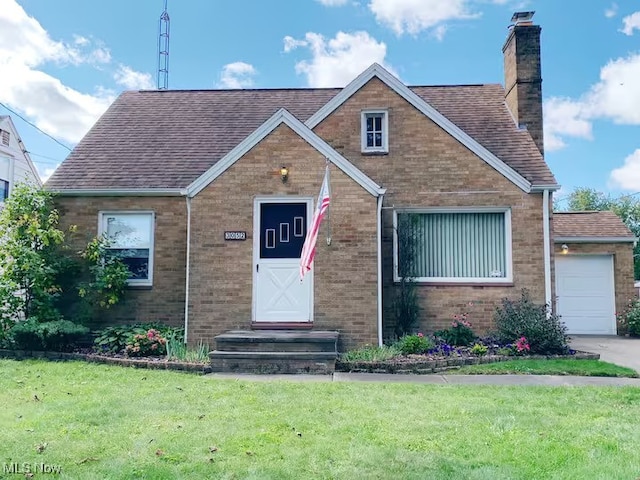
<point x="522" y="75"/>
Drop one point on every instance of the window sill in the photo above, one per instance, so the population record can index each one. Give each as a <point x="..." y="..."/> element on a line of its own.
<point x="375" y="153"/>
<point x="138" y="286"/>
<point x="466" y="284"/>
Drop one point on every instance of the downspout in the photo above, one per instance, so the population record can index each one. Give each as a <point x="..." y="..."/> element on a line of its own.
<point x="547" y="247"/>
<point x="380" y="199"/>
<point x="186" y="287"/>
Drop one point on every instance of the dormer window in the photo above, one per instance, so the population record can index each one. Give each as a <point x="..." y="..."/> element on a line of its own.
<point x="375" y="131"/>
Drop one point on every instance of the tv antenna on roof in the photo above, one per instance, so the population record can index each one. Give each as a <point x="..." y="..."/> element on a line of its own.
<point x="163" y="50"/>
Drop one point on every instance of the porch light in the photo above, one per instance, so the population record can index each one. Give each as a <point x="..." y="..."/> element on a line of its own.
<point x="284" y="174"/>
<point x="565" y="248"/>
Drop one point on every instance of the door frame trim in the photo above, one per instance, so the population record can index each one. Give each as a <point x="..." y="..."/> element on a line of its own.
<point x="257" y="201"/>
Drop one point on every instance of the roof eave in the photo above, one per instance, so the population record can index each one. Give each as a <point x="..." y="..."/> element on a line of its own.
<point x="117" y="192"/>
<point x="594" y="239"/>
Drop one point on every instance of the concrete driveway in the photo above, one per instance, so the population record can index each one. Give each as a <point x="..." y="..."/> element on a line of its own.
<point x="619" y="350"/>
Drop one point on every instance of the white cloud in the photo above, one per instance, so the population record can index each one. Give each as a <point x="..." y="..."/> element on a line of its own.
<point x="25" y="49"/>
<point x="337" y="61"/>
<point x="612" y="11"/>
<point x="132" y="80"/>
<point x="627" y="177"/>
<point x="564" y="117"/>
<point x="333" y="3"/>
<point x="631" y="23"/>
<point x="46" y="172"/>
<point x="615" y="97"/>
<point x="237" y="75"/>
<point x="291" y="43"/>
<point x="414" y="16"/>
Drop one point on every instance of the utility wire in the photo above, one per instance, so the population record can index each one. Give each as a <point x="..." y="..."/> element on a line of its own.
<point x="34" y="126"/>
<point x="53" y="161"/>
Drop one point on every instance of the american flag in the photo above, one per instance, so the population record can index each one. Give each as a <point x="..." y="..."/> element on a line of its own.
<point x="309" y="247"/>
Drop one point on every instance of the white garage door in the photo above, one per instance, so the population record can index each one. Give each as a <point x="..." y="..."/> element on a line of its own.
<point x="585" y="290"/>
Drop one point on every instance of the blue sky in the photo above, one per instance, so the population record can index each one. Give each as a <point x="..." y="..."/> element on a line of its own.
<point x="63" y="62"/>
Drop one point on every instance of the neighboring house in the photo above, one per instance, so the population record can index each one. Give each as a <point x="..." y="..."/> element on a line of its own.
<point x="190" y="186"/>
<point x="15" y="164"/>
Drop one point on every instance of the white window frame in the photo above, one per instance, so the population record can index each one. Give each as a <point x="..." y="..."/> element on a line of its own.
<point x="508" y="278"/>
<point x="101" y="230"/>
<point x="385" y="131"/>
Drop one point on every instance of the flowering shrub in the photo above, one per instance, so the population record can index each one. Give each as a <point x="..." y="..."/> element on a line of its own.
<point x="414" y="344"/>
<point x="544" y="331"/>
<point x="629" y="320"/>
<point x="460" y="334"/>
<point x="144" y="345"/>
<point x="522" y="346"/>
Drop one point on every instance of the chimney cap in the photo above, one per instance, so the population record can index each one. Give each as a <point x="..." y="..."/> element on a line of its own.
<point x="522" y="17"/>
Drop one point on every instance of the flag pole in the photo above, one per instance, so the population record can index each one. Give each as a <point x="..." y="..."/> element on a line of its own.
<point x="328" y="209"/>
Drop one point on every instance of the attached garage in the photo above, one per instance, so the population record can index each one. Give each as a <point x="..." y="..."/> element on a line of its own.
<point x="593" y="270"/>
<point x="586" y="294"/>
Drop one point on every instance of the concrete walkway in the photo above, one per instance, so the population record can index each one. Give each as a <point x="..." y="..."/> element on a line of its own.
<point x="499" y="380"/>
<point x="622" y="351"/>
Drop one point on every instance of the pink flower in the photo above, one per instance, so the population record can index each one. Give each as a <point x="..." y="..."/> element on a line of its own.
<point x="420" y="335"/>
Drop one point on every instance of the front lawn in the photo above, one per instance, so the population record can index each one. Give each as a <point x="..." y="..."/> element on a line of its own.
<point x="99" y="421"/>
<point x="585" y="368"/>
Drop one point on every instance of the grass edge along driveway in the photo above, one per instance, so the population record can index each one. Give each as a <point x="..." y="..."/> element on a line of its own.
<point x="98" y="421"/>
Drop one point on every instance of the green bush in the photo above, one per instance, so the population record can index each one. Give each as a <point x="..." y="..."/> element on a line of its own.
<point x="545" y="333"/>
<point x="630" y="318"/>
<point x="371" y="354"/>
<point x="414" y="344"/>
<point x="460" y="334"/>
<point x="57" y="336"/>
<point x="115" y="339"/>
<point x="147" y="344"/>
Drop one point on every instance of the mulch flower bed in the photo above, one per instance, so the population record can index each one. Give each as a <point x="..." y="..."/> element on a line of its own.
<point x="160" y="363"/>
<point x="425" y="364"/>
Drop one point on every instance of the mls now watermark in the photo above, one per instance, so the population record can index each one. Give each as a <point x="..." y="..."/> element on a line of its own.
<point x="26" y="467"/>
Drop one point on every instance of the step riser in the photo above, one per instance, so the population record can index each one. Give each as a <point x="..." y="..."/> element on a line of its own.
<point x="268" y="366"/>
<point x="298" y="346"/>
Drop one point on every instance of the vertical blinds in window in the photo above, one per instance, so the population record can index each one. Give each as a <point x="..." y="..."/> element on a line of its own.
<point x="458" y="245"/>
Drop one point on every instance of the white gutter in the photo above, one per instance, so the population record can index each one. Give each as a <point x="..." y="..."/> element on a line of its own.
<point x="12" y="173"/>
<point x="547" y="247"/>
<point x="380" y="198"/>
<point x="186" y="287"/>
<point x="126" y="192"/>
<point x="595" y="239"/>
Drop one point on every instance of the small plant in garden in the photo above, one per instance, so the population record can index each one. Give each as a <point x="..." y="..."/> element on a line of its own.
<point x="371" y="354"/>
<point x="544" y="331"/>
<point x="405" y="304"/>
<point x="147" y="344"/>
<point x="479" y="350"/>
<point x="460" y="333"/>
<point x="414" y="344"/>
<point x="629" y="320"/>
<point x="115" y="339"/>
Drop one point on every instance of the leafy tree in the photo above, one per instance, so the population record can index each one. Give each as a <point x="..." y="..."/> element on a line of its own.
<point x="41" y="278"/>
<point x="29" y="251"/>
<point x="626" y="207"/>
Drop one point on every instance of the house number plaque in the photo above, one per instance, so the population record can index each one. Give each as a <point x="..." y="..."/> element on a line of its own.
<point x="237" y="236"/>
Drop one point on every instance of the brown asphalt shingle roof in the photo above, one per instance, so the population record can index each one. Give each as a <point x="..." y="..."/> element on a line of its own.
<point x="167" y="139"/>
<point x="589" y="224"/>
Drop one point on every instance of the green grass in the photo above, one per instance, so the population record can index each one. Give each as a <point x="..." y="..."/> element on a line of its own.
<point x="108" y="422"/>
<point x="585" y="368"/>
<point x="371" y="354"/>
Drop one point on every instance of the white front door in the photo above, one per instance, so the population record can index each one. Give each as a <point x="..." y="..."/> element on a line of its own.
<point x="279" y="296"/>
<point x="586" y="294"/>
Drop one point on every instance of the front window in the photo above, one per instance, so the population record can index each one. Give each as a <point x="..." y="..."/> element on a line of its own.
<point x="130" y="237"/>
<point x="375" y="136"/>
<point x="4" y="190"/>
<point x="453" y="246"/>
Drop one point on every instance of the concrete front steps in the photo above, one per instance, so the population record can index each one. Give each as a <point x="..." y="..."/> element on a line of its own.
<point x="275" y="351"/>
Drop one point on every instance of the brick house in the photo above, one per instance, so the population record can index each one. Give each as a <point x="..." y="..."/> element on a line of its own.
<point x="210" y="193"/>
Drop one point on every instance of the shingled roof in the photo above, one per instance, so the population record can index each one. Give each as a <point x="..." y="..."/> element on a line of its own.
<point x="587" y="225"/>
<point x="167" y="139"/>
